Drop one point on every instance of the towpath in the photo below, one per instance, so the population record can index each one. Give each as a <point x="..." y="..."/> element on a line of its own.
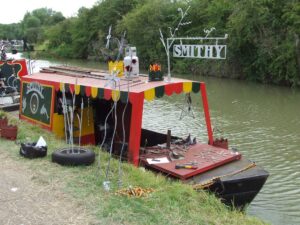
<point x="25" y="199"/>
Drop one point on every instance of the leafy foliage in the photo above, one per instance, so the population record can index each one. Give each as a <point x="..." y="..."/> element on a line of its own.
<point x="263" y="43"/>
<point x="10" y="31"/>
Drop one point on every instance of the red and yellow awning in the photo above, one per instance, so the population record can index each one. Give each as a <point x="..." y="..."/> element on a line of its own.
<point x="116" y="95"/>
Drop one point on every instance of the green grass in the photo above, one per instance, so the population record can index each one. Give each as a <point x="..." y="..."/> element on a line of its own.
<point x="170" y="203"/>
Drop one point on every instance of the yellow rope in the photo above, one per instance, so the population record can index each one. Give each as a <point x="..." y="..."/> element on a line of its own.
<point x="135" y="191"/>
<point x="211" y="181"/>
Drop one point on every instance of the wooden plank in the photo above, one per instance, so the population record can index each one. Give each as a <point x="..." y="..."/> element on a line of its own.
<point x="74" y="73"/>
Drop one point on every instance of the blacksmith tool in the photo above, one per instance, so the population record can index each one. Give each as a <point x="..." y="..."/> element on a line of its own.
<point x="183" y="166"/>
<point x="156" y="160"/>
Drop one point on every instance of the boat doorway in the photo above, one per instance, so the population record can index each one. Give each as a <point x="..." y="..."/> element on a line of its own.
<point x="112" y="125"/>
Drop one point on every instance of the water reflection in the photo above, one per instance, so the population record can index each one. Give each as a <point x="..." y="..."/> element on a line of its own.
<point x="262" y="122"/>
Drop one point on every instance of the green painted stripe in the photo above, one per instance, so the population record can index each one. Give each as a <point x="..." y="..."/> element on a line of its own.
<point x="123" y="96"/>
<point x="82" y="90"/>
<point x="67" y="87"/>
<point x="159" y="91"/>
<point x="100" y="94"/>
<point x="196" y="87"/>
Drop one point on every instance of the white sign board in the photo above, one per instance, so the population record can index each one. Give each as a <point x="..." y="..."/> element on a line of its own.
<point x="200" y="51"/>
<point x="193" y="47"/>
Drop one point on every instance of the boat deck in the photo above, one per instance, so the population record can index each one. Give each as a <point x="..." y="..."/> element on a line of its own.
<point x="203" y="157"/>
<point x="238" y="169"/>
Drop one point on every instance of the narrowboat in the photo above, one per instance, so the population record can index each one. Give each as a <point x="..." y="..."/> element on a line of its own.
<point x="111" y="109"/>
<point x="10" y="72"/>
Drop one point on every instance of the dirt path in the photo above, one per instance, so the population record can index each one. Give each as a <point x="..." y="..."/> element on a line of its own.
<point x="26" y="200"/>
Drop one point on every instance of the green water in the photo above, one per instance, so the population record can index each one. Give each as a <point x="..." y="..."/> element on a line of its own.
<point x="262" y="122"/>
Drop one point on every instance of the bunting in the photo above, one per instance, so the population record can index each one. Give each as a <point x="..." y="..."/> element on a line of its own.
<point x="116" y="95"/>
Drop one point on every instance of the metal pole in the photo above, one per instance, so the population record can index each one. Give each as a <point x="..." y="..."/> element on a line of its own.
<point x="137" y="101"/>
<point x="206" y="113"/>
<point x="169" y="66"/>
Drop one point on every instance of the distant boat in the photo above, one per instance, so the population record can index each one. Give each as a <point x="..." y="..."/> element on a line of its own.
<point x="11" y="70"/>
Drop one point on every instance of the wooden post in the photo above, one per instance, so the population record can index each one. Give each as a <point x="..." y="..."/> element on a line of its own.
<point x="137" y="101"/>
<point x="206" y="113"/>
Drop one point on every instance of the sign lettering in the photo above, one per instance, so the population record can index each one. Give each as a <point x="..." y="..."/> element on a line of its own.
<point x="36" y="102"/>
<point x="35" y="87"/>
<point x="200" y="51"/>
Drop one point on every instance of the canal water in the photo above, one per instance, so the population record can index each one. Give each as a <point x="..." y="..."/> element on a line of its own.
<point x="260" y="121"/>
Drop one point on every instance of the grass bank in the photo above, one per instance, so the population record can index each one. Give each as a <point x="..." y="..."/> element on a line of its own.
<point x="170" y="203"/>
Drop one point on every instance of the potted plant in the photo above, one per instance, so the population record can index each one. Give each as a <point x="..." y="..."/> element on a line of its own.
<point x="10" y="131"/>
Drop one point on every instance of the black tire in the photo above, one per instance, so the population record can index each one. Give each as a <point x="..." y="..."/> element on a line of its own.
<point x="77" y="157"/>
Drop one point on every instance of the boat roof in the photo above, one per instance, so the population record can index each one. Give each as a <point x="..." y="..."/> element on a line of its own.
<point x="136" y="85"/>
<point x="89" y="80"/>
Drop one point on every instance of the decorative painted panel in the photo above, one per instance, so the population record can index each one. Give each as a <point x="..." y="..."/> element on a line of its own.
<point x="36" y="102"/>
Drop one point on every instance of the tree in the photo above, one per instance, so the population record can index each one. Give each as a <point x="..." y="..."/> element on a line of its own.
<point x="263" y="43"/>
<point x="59" y="38"/>
<point x="291" y="17"/>
<point x="37" y="21"/>
<point x="142" y="25"/>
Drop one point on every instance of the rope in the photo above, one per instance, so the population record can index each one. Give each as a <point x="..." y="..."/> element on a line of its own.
<point x="135" y="192"/>
<point x="211" y="181"/>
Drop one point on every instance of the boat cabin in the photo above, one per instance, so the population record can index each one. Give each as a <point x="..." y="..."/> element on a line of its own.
<point x="42" y="99"/>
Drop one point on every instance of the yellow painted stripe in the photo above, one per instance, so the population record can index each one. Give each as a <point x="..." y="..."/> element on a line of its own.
<point x="77" y="89"/>
<point x="115" y="95"/>
<point x="149" y="94"/>
<point x="61" y="86"/>
<point x="187" y="87"/>
<point x="94" y="92"/>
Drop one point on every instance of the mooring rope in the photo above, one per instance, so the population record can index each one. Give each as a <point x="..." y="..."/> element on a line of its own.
<point x="211" y="181"/>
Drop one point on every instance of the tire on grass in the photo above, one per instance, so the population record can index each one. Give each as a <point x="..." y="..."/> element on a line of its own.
<point x="77" y="157"/>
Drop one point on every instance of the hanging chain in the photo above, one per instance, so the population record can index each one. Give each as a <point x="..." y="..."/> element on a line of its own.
<point x="189" y="110"/>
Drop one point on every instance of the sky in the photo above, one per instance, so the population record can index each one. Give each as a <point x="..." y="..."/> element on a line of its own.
<point x="14" y="11"/>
